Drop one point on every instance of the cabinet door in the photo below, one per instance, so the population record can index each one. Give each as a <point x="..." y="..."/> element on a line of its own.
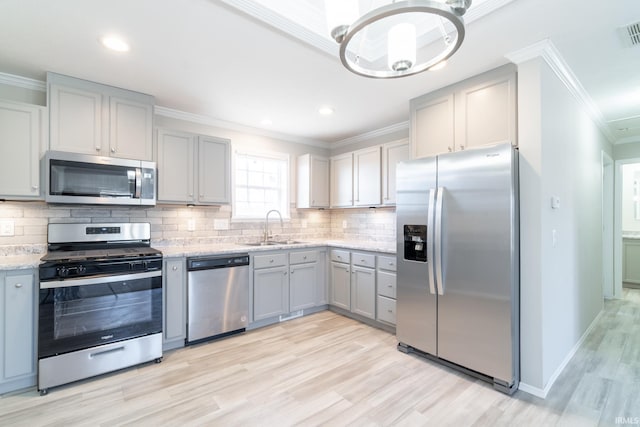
<point x="130" y="129"/>
<point x="175" y="167"/>
<point x="366" y="177"/>
<point x="174" y="298"/>
<point x="486" y="112"/>
<point x="319" y="182"/>
<point x="340" y="285"/>
<point x="19" y="332"/>
<point x="363" y="291"/>
<point x="76" y="120"/>
<point x="270" y="292"/>
<point x="214" y="170"/>
<point x="392" y="154"/>
<point x="432" y="125"/>
<point x="630" y="263"/>
<point x="302" y="286"/>
<point x="20" y="141"/>
<point x="342" y="180"/>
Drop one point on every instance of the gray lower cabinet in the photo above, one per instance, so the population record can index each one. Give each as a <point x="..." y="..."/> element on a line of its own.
<point x="174" y="289"/>
<point x="386" y="289"/>
<point x="288" y="281"/>
<point x="270" y="292"/>
<point x="353" y="282"/>
<point x="17" y="330"/>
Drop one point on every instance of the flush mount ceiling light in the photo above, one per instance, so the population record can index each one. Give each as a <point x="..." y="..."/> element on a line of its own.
<point x="397" y="39"/>
<point x="325" y="111"/>
<point x="114" y="43"/>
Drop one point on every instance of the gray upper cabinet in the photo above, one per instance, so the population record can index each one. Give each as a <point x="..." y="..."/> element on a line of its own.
<point x="342" y="180"/>
<point x="478" y="111"/>
<point x="17" y="330"/>
<point x="193" y="169"/>
<point x="92" y="118"/>
<point x="313" y="182"/>
<point x="366" y="177"/>
<point x="22" y="142"/>
<point x="392" y="154"/>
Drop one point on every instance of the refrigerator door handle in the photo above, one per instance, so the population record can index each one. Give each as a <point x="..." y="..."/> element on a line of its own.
<point x="429" y="242"/>
<point x="438" y="241"/>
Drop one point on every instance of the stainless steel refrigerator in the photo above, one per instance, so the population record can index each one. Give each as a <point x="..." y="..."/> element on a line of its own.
<point x="458" y="261"/>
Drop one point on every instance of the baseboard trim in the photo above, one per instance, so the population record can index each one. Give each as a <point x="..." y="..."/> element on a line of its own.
<point x="542" y="393"/>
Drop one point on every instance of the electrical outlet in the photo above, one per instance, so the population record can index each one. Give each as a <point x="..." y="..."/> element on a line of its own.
<point x="7" y="228"/>
<point x="191" y="225"/>
<point x="344" y="223"/>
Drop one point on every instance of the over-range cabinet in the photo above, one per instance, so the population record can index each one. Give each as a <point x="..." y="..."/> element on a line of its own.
<point x="458" y="261"/>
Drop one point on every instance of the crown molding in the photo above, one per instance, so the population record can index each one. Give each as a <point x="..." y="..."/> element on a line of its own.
<point x="209" y="121"/>
<point x="372" y="134"/>
<point x="546" y="50"/>
<point x="23" y="82"/>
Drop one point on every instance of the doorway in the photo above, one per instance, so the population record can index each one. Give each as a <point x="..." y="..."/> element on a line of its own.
<point x="607" y="226"/>
<point x="626" y="215"/>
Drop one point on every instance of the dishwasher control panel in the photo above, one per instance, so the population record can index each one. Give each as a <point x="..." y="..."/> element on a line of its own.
<point x="207" y="263"/>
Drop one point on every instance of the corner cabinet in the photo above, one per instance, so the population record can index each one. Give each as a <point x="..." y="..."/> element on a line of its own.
<point x="193" y="169"/>
<point x="475" y="112"/>
<point x="174" y="300"/>
<point x="353" y="282"/>
<point x="92" y="118"/>
<point x="313" y="182"/>
<point x="17" y="330"/>
<point x="22" y="143"/>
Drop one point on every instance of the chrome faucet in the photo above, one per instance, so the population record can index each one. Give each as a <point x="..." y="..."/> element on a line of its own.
<point x="267" y="233"/>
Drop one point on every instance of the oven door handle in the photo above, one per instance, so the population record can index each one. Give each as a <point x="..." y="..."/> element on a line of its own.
<point x="99" y="280"/>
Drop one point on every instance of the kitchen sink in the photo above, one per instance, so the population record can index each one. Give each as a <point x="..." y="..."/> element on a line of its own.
<point x="274" y="243"/>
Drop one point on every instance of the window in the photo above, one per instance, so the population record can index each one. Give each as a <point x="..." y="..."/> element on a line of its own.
<point x="261" y="183"/>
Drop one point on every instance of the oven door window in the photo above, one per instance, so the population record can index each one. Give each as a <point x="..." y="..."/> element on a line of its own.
<point x="91" y="180"/>
<point x="78" y="317"/>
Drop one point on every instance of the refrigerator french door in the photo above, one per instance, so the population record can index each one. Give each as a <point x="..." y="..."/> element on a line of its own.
<point x="458" y="261"/>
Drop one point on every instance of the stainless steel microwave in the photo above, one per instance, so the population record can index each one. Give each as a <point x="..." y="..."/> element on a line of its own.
<point x="88" y="179"/>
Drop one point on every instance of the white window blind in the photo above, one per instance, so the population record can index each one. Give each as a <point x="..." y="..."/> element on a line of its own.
<point x="261" y="183"/>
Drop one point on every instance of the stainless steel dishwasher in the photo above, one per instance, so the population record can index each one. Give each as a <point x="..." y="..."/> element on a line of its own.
<point x="217" y="296"/>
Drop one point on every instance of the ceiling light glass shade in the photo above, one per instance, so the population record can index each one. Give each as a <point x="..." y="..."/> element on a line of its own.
<point x="368" y="46"/>
<point x="115" y="43"/>
<point x="401" y="47"/>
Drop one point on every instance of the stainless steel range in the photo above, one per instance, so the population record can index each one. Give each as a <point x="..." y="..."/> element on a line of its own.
<point x="100" y="302"/>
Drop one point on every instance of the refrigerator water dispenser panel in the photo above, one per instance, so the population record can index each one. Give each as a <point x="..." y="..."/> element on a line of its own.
<point x="415" y="243"/>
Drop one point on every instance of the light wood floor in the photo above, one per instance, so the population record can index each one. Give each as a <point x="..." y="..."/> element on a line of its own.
<point x="326" y="369"/>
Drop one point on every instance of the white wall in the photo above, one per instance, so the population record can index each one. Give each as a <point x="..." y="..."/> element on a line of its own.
<point x="561" y="289"/>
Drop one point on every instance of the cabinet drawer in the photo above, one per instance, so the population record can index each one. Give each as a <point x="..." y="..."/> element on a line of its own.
<point x="364" y="260"/>
<point x="271" y="260"/>
<point x="302" y="257"/>
<point x="386" y="310"/>
<point x="340" y="256"/>
<point x="386" y="284"/>
<point x="387" y="263"/>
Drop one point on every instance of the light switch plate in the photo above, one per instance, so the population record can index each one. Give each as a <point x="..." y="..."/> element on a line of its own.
<point x="7" y="228"/>
<point x="191" y="225"/>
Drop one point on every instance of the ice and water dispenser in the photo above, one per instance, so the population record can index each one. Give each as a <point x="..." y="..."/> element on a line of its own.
<point x="415" y="243"/>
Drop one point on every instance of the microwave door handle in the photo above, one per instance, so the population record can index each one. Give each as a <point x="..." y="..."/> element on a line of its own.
<point x="138" y="183"/>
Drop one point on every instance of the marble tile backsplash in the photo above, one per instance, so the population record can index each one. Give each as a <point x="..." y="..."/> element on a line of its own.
<point x="170" y="225"/>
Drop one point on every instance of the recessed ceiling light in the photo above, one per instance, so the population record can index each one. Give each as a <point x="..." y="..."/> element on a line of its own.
<point x="325" y="111"/>
<point x="115" y="43"/>
<point x="439" y="66"/>
<point x="266" y="122"/>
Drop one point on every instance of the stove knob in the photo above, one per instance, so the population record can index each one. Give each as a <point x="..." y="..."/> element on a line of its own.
<point x="63" y="272"/>
<point x="82" y="269"/>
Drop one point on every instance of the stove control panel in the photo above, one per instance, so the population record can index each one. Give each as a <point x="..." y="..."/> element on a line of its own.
<point x="67" y="271"/>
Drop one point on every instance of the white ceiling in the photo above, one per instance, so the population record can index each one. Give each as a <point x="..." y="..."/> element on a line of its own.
<point x="209" y="58"/>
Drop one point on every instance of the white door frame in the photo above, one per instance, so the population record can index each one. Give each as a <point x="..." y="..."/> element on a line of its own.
<point x="608" y="190"/>
<point x="617" y="229"/>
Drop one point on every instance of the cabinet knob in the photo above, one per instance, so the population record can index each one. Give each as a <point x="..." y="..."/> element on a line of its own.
<point x="271" y="260"/>
<point x="304" y="257"/>
<point x="190" y="194"/>
<point x="450" y="149"/>
<point x="113" y="150"/>
<point x="388" y="286"/>
<point x="390" y="263"/>
<point x="390" y="311"/>
<point x="34" y="187"/>
<point x="285" y="273"/>
<point x="174" y="268"/>
<point x="18" y="285"/>
<point x="202" y="195"/>
<point x="462" y="147"/>
<point x="291" y="272"/>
